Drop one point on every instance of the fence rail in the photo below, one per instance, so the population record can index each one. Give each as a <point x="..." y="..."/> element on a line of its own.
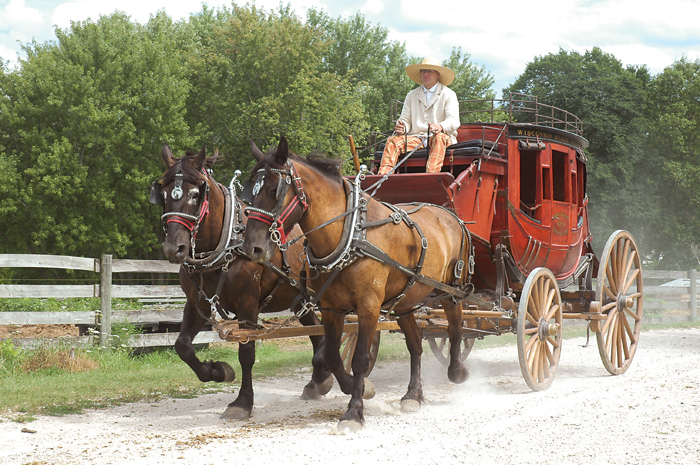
<point x="659" y="300"/>
<point x="103" y="317"/>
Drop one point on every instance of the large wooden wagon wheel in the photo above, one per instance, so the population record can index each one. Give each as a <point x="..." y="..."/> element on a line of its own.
<point x="619" y="294"/>
<point x="539" y="329"/>
<point x="441" y="348"/>
<point x="348" y="342"/>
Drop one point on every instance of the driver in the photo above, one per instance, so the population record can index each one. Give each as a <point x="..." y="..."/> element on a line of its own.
<point x="431" y="108"/>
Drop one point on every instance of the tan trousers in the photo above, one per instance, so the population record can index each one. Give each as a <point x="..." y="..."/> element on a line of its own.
<point x="396" y="145"/>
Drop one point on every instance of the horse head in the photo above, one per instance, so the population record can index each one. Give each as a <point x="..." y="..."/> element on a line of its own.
<point x="276" y="201"/>
<point x="185" y="193"/>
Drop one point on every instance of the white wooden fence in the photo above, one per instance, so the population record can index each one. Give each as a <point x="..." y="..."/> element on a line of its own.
<point x="103" y="317"/>
<point x="679" y="300"/>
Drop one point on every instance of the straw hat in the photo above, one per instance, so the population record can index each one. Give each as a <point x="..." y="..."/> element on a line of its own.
<point x="446" y="74"/>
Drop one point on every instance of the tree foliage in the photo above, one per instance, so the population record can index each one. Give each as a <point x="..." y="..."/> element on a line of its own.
<point x="260" y="75"/>
<point x="362" y="53"/>
<point x="84" y="118"/>
<point x="674" y="152"/>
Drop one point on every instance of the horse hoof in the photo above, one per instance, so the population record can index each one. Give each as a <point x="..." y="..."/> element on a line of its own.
<point x="369" y="391"/>
<point x="458" y="375"/>
<point x="225" y="368"/>
<point x="410" y="405"/>
<point x="349" y="426"/>
<point x="310" y="392"/>
<point x="324" y="387"/>
<point x="235" y="413"/>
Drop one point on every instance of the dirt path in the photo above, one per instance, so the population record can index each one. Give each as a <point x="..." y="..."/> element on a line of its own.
<point x="648" y="415"/>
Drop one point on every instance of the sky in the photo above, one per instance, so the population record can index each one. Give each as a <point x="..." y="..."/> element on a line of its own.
<point x="503" y="36"/>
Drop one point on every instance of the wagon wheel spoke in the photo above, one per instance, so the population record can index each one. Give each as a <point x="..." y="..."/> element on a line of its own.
<point x="531" y="343"/>
<point x="609" y="293"/>
<point x="609" y="306"/>
<point x="440" y="348"/>
<point x="609" y="319"/>
<point x="632" y="315"/>
<point x="630" y="333"/>
<point x="532" y="321"/>
<point x="348" y="344"/>
<point x="534" y="302"/>
<point x="624" y="254"/>
<point x="350" y="341"/>
<point x="552" y="312"/>
<point x="632" y="279"/>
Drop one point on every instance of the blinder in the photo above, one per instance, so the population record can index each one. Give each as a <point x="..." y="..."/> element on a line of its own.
<point x="252" y="187"/>
<point x="156" y="197"/>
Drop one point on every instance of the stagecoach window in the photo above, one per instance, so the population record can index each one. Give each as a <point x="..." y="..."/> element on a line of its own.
<point x="559" y="171"/>
<point x="528" y="182"/>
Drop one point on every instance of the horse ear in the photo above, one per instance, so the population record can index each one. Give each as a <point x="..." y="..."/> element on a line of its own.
<point x="282" y="151"/>
<point x="167" y="155"/>
<point x="257" y="153"/>
<point x="201" y="158"/>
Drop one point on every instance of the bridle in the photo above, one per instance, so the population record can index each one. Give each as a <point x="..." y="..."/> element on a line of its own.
<point x="276" y="218"/>
<point x="191" y="222"/>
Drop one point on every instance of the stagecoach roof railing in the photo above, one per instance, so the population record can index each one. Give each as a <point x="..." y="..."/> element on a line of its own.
<point x="517" y="108"/>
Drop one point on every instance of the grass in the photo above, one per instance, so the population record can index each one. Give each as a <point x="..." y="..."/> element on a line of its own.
<point x="58" y="381"/>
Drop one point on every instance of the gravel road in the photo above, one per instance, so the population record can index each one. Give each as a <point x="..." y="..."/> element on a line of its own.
<point x="648" y="415"/>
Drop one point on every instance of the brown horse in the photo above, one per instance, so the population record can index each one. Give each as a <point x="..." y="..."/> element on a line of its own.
<point x="430" y="238"/>
<point x="218" y="281"/>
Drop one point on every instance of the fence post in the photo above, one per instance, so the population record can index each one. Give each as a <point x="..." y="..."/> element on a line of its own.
<point x="106" y="300"/>
<point x="693" y="303"/>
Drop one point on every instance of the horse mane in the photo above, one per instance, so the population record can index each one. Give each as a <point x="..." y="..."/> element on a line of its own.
<point x="329" y="167"/>
<point x="185" y="165"/>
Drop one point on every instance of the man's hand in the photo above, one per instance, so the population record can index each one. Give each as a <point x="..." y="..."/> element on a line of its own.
<point x="435" y="128"/>
<point x="399" y="128"/>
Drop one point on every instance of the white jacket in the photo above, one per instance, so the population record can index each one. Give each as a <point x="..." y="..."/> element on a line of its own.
<point x="443" y="110"/>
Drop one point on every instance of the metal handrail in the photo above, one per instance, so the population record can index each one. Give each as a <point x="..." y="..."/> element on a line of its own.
<point x="517" y="108"/>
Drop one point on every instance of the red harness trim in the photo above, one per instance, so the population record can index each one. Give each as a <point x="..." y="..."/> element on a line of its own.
<point x="268" y="219"/>
<point x="203" y="212"/>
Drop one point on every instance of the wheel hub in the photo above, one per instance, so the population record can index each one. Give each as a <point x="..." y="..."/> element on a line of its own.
<point x="624" y="302"/>
<point x="547" y="329"/>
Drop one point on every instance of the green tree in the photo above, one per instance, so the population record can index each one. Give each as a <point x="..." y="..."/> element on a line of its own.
<point x="260" y="76"/>
<point x="609" y="98"/>
<point x="472" y="82"/>
<point x="87" y="117"/>
<point x="674" y="151"/>
<point x="362" y="52"/>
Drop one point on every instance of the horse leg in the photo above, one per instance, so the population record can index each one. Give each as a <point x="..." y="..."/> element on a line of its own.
<point x="354" y="418"/>
<point x="333" y="330"/>
<point x="242" y="407"/>
<point x="456" y="371"/>
<point x="413" y="399"/>
<point x="192" y="324"/>
<point x="321" y="378"/>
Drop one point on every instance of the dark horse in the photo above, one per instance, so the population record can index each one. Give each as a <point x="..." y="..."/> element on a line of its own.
<point x="361" y="281"/>
<point x="218" y="282"/>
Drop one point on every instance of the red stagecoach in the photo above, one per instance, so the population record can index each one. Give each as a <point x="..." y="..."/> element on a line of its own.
<point x="518" y="181"/>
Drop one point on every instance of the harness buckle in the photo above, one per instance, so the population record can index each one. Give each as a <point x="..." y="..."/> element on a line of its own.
<point x="424" y="243"/>
<point x="459" y="267"/>
<point x="396" y="217"/>
<point x="305" y="308"/>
